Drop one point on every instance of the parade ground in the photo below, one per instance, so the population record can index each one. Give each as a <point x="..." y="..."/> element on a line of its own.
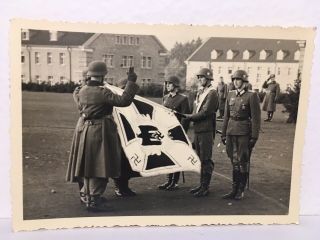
<point x="48" y="124"/>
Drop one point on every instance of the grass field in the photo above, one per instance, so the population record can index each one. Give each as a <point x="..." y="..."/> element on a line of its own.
<point x="48" y="123"/>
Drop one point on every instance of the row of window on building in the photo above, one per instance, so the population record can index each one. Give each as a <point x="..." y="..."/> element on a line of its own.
<point x="50" y="79"/>
<point x="247" y="54"/>
<point x="127" y="40"/>
<point x="126" y="61"/>
<point x="250" y="69"/>
<point x="62" y="58"/>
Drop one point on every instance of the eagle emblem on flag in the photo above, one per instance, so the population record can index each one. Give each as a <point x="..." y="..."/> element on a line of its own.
<point x="152" y="138"/>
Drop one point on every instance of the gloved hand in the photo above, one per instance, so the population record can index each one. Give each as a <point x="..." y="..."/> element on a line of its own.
<point x="252" y="142"/>
<point x="132" y="76"/>
<point x="224" y="140"/>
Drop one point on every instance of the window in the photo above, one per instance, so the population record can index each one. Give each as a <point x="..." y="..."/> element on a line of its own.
<point x="297" y="55"/>
<point x="62" y="57"/>
<point x="263" y="55"/>
<point x="125" y="40"/>
<point x="246" y="55"/>
<point x="37" y="77"/>
<point x="127" y="61"/>
<point x="25" y="35"/>
<point x="269" y="71"/>
<point x="108" y="59"/>
<point x="219" y="70"/>
<point x="149" y="81"/>
<point x="37" y="57"/>
<point x="258" y="68"/>
<point x="146" y="62"/>
<point x="230" y="54"/>
<point x="214" y="54"/>
<point x="149" y="62"/>
<point x="132" y="41"/>
<point x="49" y="58"/>
<point x="280" y="55"/>
<point x="278" y="71"/>
<point x="23" y="58"/>
<point x="137" y="41"/>
<point x="118" y="40"/>
<point x="130" y="61"/>
<point x="229" y="70"/>
<point x="50" y="79"/>
<point x="53" y="35"/>
<point x="23" y="79"/>
<point x="62" y="79"/>
<point x="249" y="70"/>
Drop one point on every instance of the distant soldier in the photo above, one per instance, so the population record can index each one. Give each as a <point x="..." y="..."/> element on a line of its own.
<point x="204" y="118"/>
<point x="272" y="94"/>
<point x="95" y="151"/>
<point x="231" y="87"/>
<point x="222" y="90"/>
<point x="240" y="131"/>
<point x="179" y="103"/>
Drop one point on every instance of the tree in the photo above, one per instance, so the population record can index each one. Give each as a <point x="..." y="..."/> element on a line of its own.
<point x="292" y="102"/>
<point x="178" y="54"/>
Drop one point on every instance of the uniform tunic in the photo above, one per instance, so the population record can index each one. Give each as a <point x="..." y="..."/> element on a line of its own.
<point x="96" y="150"/>
<point x="179" y="103"/>
<point x="204" y="118"/>
<point x="222" y="90"/>
<point x="241" y="123"/>
<point x="272" y="94"/>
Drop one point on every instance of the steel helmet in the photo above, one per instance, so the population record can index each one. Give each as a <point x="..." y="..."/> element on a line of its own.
<point x="240" y="74"/>
<point x="97" y="68"/>
<point x="206" y="72"/>
<point x="174" y="80"/>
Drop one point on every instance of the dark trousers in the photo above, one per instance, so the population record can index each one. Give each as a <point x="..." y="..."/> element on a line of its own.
<point x="203" y="143"/>
<point x="238" y="152"/>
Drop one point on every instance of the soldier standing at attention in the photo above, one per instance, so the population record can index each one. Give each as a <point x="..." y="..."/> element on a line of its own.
<point x="96" y="150"/>
<point x="240" y="131"/>
<point x="179" y="103"/>
<point x="222" y="90"/>
<point x="272" y="94"/>
<point x="204" y="118"/>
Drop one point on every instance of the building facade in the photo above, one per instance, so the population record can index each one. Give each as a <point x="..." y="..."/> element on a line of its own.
<point x="59" y="57"/>
<point x="259" y="57"/>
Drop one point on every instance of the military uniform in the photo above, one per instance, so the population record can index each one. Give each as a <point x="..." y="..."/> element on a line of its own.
<point x="204" y="118"/>
<point x="96" y="150"/>
<point x="180" y="104"/>
<point x="269" y="101"/>
<point x="222" y="90"/>
<point x="241" y="127"/>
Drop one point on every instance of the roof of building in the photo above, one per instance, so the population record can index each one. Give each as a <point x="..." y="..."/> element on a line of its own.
<point x="253" y="45"/>
<point x="42" y="37"/>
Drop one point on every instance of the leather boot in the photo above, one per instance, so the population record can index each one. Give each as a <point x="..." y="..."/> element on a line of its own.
<point x="174" y="183"/>
<point x="127" y="192"/>
<point x="196" y="189"/>
<point x="96" y="204"/>
<point x="166" y="184"/>
<point x="242" y="185"/>
<point x="204" y="189"/>
<point x="235" y="186"/>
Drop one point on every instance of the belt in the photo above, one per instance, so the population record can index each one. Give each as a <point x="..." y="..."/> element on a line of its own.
<point x="96" y="120"/>
<point x="239" y="118"/>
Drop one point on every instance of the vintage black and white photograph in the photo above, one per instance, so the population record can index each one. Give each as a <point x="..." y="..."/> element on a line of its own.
<point x="157" y="125"/>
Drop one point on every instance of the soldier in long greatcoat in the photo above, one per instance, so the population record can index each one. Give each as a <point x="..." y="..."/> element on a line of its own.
<point x="272" y="93"/>
<point x="96" y="151"/>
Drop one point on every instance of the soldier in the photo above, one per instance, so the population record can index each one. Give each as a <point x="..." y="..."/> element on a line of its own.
<point x="204" y="118"/>
<point x="96" y="151"/>
<point x="222" y="90"/>
<point x="179" y="103"/>
<point x="240" y="131"/>
<point x="272" y="94"/>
